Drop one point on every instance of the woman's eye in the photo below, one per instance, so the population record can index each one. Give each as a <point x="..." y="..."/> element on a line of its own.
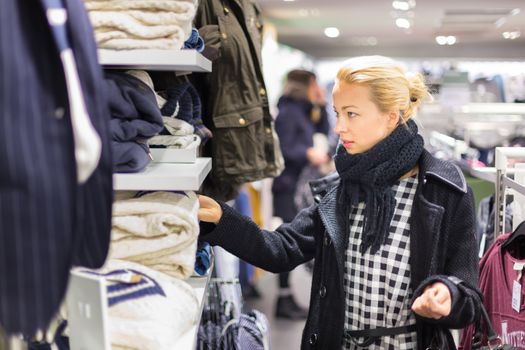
<point x="351" y="114"/>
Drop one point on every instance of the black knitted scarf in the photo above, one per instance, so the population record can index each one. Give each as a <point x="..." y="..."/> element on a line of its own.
<point x="369" y="176"/>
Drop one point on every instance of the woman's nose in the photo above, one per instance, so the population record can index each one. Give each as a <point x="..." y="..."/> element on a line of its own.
<point x="340" y="126"/>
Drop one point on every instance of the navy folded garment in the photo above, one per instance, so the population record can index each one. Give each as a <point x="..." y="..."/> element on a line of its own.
<point x="194" y="41"/>
<point x="129" y="157"/>
<point x="134" y="110"/>
<point x="186" y="97"/>
<point x="203" y="258"/>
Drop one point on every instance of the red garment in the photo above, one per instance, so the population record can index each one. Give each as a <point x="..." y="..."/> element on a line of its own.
<point x="496" y="281"/>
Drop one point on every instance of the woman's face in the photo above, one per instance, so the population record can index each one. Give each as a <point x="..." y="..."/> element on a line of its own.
<point x="360" y="124"/>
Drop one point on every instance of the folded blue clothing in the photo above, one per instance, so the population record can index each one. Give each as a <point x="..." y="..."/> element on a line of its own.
<point x="133" y="105"/>
<point x="194" y="41"/>
<point x="129" y="157"/>
<point x="203" y="258"/>
<point x="188" y="101"/>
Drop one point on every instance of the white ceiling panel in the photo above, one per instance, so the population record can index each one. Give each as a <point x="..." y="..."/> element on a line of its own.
<point x="369" y="27"/>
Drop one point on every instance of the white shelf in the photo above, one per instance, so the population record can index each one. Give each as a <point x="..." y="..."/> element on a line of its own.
<point x="175" y="155"/>
<point x="162" y="60"/>
<point x="165" y="177"/>
<point x="487" y="174"/>
<point x="189" y="339"/>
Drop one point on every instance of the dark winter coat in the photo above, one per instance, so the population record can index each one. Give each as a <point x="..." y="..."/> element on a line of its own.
<point x="443" y="245"/>
<point x="295" y="131"/>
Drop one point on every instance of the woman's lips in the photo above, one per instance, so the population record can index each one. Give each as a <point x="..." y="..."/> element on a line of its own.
<point x="347" y="144"/>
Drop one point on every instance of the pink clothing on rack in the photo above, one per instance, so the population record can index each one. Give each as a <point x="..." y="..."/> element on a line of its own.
<point x="497" y="277"/>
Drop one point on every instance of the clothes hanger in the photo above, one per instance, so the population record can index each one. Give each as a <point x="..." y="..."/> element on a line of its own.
<point x="515" y="243"/>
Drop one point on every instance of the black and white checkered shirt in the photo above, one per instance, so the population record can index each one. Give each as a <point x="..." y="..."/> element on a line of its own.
<point x="377" y="287"/>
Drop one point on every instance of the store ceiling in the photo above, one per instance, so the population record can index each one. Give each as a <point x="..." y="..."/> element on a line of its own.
<point x="477" y="24"/>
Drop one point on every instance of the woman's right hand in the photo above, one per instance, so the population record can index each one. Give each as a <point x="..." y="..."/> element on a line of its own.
<point x="209" y="210"/>
<point x="316" y="157"/>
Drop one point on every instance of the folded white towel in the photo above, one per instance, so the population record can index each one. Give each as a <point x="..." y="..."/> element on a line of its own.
<point x="178" y="142"/>
<point x="178" y="127"/>
<point x="157" y="229"/>
<point x="151" y="5"/>
<point x="141" y="24"/>
<point x="150" y="312"/>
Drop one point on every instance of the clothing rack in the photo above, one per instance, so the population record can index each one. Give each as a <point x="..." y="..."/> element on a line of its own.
<point x="503" y="181"/>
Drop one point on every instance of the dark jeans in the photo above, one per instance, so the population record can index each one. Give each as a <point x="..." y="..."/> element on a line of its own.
<point x="284" y="207"/>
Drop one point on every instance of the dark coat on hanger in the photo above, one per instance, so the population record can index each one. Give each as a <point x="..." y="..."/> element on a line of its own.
<point x="47" y="221"/>
<point x="244" y="146"/>
<point x="442" y="244"/>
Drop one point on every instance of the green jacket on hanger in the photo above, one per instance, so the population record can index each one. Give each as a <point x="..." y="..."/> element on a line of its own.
<point x="244" y="146"/>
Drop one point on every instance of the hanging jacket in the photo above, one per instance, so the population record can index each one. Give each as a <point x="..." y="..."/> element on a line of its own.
<point x="244" y="146"/>
<point x="442" y="245"/>
<point x="47" y="221"/>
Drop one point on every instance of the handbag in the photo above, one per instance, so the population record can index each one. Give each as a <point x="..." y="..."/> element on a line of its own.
<point x="493" y="340"/>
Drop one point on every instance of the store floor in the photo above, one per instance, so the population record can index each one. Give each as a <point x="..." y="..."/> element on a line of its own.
<point x="285" y="334"/>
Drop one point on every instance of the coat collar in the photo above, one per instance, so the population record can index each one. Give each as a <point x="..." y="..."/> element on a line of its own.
<point x="442" y="171"/>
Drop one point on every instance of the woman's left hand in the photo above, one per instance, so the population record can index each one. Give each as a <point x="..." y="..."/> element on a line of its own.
<point x="435" y="302"/>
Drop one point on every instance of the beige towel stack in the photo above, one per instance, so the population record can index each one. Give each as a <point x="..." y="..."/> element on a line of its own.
<point x="158" y="230"/>
<point x="141" y="24"/>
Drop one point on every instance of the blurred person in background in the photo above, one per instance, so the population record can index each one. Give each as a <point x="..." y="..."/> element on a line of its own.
<point x="302" y="114"/>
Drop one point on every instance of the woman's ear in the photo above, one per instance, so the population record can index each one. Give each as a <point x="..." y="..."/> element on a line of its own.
<point x="394" y="119"/>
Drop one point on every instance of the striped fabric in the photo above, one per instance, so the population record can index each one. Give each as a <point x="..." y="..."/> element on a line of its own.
<point x="47" y="222"/>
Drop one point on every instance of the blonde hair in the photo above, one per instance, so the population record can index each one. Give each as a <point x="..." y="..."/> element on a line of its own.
<point x="391" y="87"/>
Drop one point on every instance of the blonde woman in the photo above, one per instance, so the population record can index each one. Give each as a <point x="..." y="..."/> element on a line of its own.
<point x="392" y="236"/>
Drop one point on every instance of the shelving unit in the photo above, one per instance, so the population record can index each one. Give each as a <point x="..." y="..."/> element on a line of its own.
<point x="159" y="60"/>
<point x="489" y="173"/>
<point x="200" y="285"/>
<point x="503" y="154"/>
<point x="165" y="177"/>
<point x="158" y="176"/>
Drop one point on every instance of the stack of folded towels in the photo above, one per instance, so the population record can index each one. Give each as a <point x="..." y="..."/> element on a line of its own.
<point x="141" y="24"/>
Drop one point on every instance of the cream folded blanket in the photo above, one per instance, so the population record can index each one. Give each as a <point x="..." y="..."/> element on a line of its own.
<point x="139" y="24"/>
<point x="176" y="142"/>
<point x="159" y="230"/>
<point x="159" y="5"/>
<point x="148" y="310"/>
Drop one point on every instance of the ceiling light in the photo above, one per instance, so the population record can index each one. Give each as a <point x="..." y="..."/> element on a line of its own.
<point x="288" y="0"/>
<point x="372" y="41"/>
<point x="401" y="5"/>
<point x="511" y="35"/>
<point x="441" y="40"/>
<point x="515" y="12"/>
<point x="446" y="40"/>
<point x="331" y="32"/>
<point x="403" y="23"/>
